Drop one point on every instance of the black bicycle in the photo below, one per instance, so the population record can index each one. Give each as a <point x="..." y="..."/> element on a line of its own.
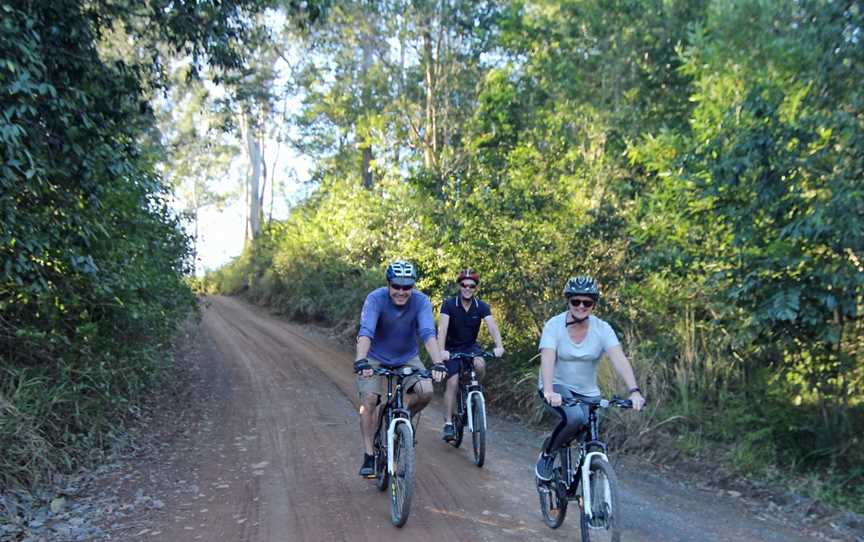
<point x="470" y="406"/>
<point x="588" y="478"/>
<point x="393" y="445"/>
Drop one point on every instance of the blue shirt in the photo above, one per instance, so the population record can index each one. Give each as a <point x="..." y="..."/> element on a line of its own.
<point x="394" y="330"/>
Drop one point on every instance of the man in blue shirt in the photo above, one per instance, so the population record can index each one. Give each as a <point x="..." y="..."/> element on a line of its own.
<point x="392" y="319"/>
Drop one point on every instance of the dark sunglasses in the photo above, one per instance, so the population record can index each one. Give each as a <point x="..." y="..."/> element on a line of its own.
<point x="403" y="288"/>
<point x="471" y="286"/>
<point x="587" y="303"/>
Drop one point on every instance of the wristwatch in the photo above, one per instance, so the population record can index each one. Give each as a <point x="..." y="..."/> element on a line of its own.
<point x="634" y="390"/>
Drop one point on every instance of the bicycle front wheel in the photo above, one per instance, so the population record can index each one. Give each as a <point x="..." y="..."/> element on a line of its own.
<point x="604" y="523"/>
<point x="402" y="479"/>
<point x="478" y="438"/>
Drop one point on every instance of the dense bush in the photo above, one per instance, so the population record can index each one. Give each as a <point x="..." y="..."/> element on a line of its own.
<point x="92" y="260"/>
<point x="702" y="159"/>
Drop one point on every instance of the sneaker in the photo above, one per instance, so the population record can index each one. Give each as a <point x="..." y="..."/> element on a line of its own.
<point x="449" y="433"/>
<point x="545" y="463"/>
<point x="368" y="468"/>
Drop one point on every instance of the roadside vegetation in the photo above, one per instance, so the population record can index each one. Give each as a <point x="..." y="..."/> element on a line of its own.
<point x="93" y="260"/>
<point x="703" y="160"/>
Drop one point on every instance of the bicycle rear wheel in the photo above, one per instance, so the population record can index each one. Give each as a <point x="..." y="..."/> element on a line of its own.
<point x="382" y="477"/>
<point x="478" y="438"/>
<point x="553" y="496"/>
<point x="402" y="481"/>
<point x="604" y="525"/>
<point x="459" y="421"/>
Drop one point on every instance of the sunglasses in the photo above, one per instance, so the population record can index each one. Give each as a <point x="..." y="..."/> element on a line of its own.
<point x="587" y="303"/>
<point x="403" y="288"/>
<point x="466" y="285"/>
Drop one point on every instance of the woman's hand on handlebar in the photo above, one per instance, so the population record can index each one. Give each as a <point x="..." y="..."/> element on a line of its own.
<point x="637" y="400"/>
<point x="554" y="399"/>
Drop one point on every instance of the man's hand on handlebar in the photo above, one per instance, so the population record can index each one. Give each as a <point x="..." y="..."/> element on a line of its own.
<point x="498" y="351"/>
<point x="363" y="368"/>
<point x="439" y="372"/>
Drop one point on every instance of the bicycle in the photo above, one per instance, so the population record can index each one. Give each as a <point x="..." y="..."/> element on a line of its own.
<point x="592" y="483"/>
<point x="393" y="445"/>
<point x="470" y="406"/>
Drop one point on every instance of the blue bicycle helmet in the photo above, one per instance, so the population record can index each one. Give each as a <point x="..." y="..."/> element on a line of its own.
<point x="401" y="273"/>
<point x="581" y="285"/>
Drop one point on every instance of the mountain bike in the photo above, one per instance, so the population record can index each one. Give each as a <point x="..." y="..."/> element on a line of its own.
<point x="470" y="406"/>
<point x="588" y="478"/>
<point x="393" y="445"/>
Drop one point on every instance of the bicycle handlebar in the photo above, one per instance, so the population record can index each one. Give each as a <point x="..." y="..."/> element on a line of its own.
<point x="603" y="403"/>
<point x="402" y="371"/>
<point x="483" y="354"/>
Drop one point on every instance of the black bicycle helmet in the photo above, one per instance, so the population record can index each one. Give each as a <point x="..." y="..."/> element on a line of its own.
<point x="581" y="285"/>
<point x="401" y="273"/>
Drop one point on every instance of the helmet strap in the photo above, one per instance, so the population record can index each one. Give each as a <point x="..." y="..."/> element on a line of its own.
<point x="575" y="320"/>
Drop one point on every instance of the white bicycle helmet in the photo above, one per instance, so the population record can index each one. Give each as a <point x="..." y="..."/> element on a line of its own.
<point x="401" y="273"/>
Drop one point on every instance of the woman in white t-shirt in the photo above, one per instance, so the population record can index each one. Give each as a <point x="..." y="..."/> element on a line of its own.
<point x="570" y="349"/>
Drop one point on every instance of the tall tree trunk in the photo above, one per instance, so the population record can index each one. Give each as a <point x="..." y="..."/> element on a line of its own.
<point x="253" y="180"/>
<point x="365" y="144"/>
<point x="429" y="134"/>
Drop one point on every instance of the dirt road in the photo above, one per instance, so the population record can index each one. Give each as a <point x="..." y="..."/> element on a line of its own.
<point x="276" y="458"/>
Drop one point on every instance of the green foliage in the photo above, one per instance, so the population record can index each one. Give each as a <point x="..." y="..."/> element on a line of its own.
<point x="701" y="159"/>
<point x="92" y="259"/>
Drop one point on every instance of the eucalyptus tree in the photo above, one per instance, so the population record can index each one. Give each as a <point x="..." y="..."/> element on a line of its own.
<point x="388" y="85"/>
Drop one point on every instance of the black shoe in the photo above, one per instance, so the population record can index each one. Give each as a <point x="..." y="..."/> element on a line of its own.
<point x="368" y="468"/>
<point x="449" y="433"/>
<point x="544" y="467"/>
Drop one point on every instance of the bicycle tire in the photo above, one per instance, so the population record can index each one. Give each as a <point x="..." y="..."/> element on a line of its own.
<point x="605" y="507"/>
<point x="382" y="477"/>
<point x="402" y="480"/>
<point x="459" y="427"/>
<point x="553" y="499"/>
<point x="478" y="437"/>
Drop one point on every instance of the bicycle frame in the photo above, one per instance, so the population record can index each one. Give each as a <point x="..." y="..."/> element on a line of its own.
<point x="473" y="387"/>
<point x="396" y="413"/>
<point x="597" y="448"/>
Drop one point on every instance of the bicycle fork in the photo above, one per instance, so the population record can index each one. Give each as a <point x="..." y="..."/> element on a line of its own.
<point x="586" y="483"/>
<point x="391" y="440"/>
<point x="481" y="402"/>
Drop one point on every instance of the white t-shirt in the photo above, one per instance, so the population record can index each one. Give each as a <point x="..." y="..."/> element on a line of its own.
<point x="576" y="363"/>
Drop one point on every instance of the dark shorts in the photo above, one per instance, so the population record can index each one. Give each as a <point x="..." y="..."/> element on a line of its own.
<point x="453" y="364"/>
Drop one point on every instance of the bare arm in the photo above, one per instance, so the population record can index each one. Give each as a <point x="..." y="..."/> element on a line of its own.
<point x="431" y="345"/>
<point x="547" y="369"/>
<point x="625" y="371"/>
<point x="443" y="324"/>
<point x="492" y="326"/>
<point x="363" y="344"/>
